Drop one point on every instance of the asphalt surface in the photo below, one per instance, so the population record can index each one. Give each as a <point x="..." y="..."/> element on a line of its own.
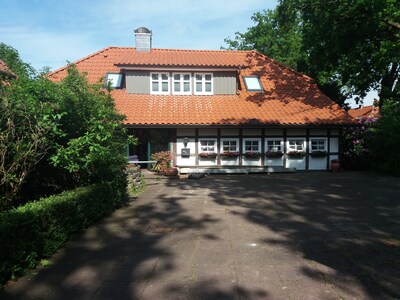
<point x="279" y="236"/>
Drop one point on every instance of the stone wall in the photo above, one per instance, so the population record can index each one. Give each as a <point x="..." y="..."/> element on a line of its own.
<point x="134" y="176"/>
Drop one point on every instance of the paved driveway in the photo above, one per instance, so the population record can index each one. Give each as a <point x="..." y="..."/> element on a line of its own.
<point x="278" y="236"/>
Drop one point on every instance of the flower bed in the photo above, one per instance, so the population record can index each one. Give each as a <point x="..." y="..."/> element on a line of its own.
<point x="319" y="153"/>
<point x="252" y="154"/>
<point x="229" y="154"/>
<point x="209" y="155"/>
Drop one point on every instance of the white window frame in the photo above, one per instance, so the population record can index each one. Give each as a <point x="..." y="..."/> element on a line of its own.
<point x="280" y="141"/>
<point x="214" y="141"/>
<point x="229" y="140"/>
<point x="203" y="82"/>
<point x="114" y="79"/>
<point x="258" y="140"/>
<point x="296" y="148"/>
<point x="324" y="140"/>
<point x="181" y="82"/>
<point x="253" y="83"/>
<point x="160" y="82"/>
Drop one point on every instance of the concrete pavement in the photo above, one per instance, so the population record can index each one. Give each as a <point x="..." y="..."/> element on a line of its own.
<point x="280" y="236"/>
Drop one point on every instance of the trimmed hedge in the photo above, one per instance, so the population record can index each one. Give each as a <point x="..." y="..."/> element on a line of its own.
<point x="38" y="229"/>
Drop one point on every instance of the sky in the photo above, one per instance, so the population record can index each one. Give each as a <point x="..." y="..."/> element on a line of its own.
<point x="50" y="33"/>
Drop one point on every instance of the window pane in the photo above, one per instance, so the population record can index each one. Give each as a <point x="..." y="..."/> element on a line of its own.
<point x="208" y="77"/>
<point x="198" y="77"/>
<point x="186" y="77"/>
<point x="186" y="87"/>
<point x="198" y="87"/>
<point x="177" y="77"/>
<point x="164" y="76"/>
<point x="154" y="76"/>
<point x="165" y="86"/>
<point x="177" y="87"/>
<point x="154" y="86"/>
<point x="208" y="87"/>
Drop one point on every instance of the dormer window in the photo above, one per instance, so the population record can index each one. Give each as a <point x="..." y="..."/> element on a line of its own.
<point x="253" y="83"/>
<point x="159" y="83"/>
<point x="114" y="80"/>
<point x="181" y="84"/>
<point x="203" y="84"/>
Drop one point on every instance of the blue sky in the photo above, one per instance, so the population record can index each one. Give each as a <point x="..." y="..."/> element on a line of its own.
<point x="50" y="32"/>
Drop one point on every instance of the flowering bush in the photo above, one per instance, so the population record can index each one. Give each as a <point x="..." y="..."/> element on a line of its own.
<point x="210" y="155"/>
<point x="271" y="153"/>
<point x="230" y="154"/>
<point x="252" y="154"/>
<point x="163" y="159"/>
<point x="296" y="154"/>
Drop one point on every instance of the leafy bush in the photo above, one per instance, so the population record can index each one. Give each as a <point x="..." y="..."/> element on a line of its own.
<point x="37" y="229"/>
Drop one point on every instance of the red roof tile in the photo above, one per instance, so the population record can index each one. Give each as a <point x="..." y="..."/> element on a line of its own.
<point x="5" y="70"/>
<point x="289" y="98"/>
<point x="364" y="112"/>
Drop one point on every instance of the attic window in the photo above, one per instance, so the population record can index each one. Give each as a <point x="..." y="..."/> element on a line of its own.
<point x="115" y="80"/>
<point x="253" y="83"/>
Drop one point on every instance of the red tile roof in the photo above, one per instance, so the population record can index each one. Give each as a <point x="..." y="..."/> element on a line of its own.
<point x="289" y="98"/>
<point x="5" y="70"/>
<point x="364" y="112"/>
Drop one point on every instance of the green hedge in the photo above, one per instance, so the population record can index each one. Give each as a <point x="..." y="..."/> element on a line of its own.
<point x="38" y="229"/>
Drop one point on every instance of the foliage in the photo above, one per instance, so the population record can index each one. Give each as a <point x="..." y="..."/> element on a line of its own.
<point x="272" y="154"/>
<point x="28" y="122"/>
<point x="386" y="143"/>
<point x="252" y="154"/>
<point x="163" y="159"/>
<point x="11" y="58"/>
<point x="230" y="154"/>
<point x="208" y="155"/>
<point x="296" y="154"/>
<point x="35" y="230"/>
<point x="349" y="47"/>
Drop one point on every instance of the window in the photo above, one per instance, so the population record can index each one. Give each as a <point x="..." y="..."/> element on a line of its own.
<point x="203" y="84"/>
<point x="251" y="145"/>
<point x="296" y="145"/>
<point x="318" y="144"/>
<point x="181" y="84"/>
<point x="230" y="145"/>
<point x="253" y="83"/>
<point x="207" y="145"/>
<point x="159" y="83"/>
<point x="114" y="79"/>
<point x="274" y="145"/>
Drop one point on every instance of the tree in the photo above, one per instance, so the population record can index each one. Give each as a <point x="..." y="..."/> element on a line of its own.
<point x="357" y="43"/>
<point x="11" y="58"/>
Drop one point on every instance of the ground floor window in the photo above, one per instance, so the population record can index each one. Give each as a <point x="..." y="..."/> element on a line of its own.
<point x="274" y="145"/>
<point x="296" y="145"/>
<point x="207" y="145"/>
<point x="230" y="145"/>
<point x="318" y="144"/>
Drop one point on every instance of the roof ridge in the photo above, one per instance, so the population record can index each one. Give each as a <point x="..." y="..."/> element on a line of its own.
<point x="86" y="58"/>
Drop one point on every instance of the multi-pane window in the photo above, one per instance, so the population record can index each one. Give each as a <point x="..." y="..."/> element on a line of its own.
<point x="207" y="145"/>
<point x="159" y="83"/>
<point x="230" y="145"/>
<point x="203" y="84"/>
<point x="274" y="145"/>
<point x="181" y="84"/>
<point x="252" y="145"/>
<point x="318" y="145"/>
<point x="296" y="145"/>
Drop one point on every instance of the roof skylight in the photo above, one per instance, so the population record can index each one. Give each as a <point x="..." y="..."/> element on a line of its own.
<point x="253" y="83"/>
<point x="115" y="80"/>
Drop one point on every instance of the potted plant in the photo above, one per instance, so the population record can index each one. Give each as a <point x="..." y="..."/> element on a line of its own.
<point x="273" y="154"/>
<point x="163" y="164"/>
<point x="335" y="165"/>
<point x="252" y="154"/>
<point x="230" y="154"/>
<point x="208" y="155"/>
<point x="318" y="153"/>
<point x="296" y="154"/>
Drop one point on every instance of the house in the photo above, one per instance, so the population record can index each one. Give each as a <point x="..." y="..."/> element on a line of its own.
<point x="369" y="111"/>
<point x="218" y="110"/>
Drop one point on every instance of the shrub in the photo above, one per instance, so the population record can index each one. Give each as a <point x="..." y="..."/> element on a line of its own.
<point x="35" y="230"/>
